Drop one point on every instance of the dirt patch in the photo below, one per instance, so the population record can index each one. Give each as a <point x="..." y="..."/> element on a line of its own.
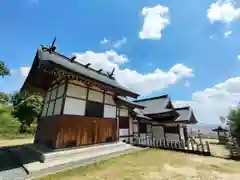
<point x="15" y="142"/>
<point x="184" y="171"/>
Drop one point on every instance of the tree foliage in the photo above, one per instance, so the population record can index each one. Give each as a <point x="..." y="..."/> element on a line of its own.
<point x="4" y="71"/>
<point x="234" y="122"/>
<point x="27" y="108"/>
<point x="4" y="98"/>
<point x="8" y="125"/>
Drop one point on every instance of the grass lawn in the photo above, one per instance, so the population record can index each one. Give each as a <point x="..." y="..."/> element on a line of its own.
<point x="155" y="165"/>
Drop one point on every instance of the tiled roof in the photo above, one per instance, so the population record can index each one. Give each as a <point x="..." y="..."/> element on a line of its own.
<point x="155" y="105"/>
<point x="127" y="102"/>
<point x="80" y="69"/>
<point x="140" y="114"/>
<point x="185" y="115"/>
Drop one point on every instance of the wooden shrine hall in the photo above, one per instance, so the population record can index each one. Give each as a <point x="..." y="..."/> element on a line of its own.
<point x="85" y="106"/>
<point x="82" y="105"/>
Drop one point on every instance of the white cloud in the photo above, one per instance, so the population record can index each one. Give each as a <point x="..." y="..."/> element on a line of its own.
<point x="227" y="33"/>
<point x="155" y="20"/>
<point x="116" y="44"/>
<point x="211" y="36"/>
<point x="187" y="84"/>
<point x="104" y="41"/>
<point x="120" y="42"/>
<point x="144" y="84"/>
<point x="238" y="57"/>
<point x="24" y="70"/>
<point x="224" y="11"/>
<point x="213" y="102"/>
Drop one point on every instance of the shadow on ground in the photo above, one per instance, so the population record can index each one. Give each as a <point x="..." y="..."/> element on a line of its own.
<point x="13" y="157"/>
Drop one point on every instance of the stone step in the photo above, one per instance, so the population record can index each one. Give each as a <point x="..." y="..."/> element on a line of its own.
<point x="71" y="152"/>
<point x="77" y="155"/>
<point x="43" y="154"/>
<point x="78" y="163"/>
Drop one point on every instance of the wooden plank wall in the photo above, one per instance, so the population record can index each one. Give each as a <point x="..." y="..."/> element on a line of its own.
<point x="71" y="130"/>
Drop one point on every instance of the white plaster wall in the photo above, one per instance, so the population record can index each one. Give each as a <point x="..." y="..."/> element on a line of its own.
<point x="44" y="109"/>
<point x="47" y="97"/>
<point x="77" y="82"/>
<point x="123" y="112"/>
<point x="95" y="96"/>
<point x="60" y="90"/>
<point x="135" y="128"/>
<point x="54" y="94"/>
<point x="50" y="108"/>
<point x="109" y="111"/>
<point x="109" y="99"/>
<point x="76" y="91"/>
<point x="58" y="106"/>
<point x="158" y="132"/>
<point x="74" y="106"/>
<point x="123" y="132"/>
<point x="172" y="136"/>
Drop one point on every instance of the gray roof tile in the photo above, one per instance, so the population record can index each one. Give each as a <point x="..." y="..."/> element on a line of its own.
<point x="125" y="100"/>
<point x="154" y="105"/>
<point x="80" y="69"/>
<point x="185" y="114"/>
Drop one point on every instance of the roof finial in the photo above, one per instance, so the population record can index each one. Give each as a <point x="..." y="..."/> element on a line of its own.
<point x="52" y="48"/>
<point x="100" y="70"/>
<point x="73" y="58"/>
<point x="87" y="65"/>
<point x="111" y="74"/>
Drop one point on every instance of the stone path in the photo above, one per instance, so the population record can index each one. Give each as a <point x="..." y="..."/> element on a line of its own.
<point x="9" y="169"/>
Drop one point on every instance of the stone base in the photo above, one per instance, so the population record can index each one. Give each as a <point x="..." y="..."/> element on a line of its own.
<point x="62" y="157"/>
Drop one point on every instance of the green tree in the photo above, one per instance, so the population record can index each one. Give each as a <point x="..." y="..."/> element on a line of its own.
<point x="8" y="125"/>
<point x="234" y="122"/>
<point x="16" y="98"/>
<point x="4" y="71"/>
<point x="4" y="98"/>
<point x="27" y="108"/>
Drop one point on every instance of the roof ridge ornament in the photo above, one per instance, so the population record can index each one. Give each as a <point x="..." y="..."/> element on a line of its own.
<point x="73" y="58"/>
<point x="111" y="74"/>
<point x="100" y="70"/>
<point x="51" y="48"/>
<point x="87" y="65"/>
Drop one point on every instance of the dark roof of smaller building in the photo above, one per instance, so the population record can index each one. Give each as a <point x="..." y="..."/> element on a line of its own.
<point x="139" y="113"/>
<point x="220" y="129"/>
<point x="129" y="103"/>
<point x="155" y="105"/>
<point x="186" y="115"/>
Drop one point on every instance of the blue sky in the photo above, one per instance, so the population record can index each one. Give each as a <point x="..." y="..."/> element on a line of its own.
<point x="194" y="44"/>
